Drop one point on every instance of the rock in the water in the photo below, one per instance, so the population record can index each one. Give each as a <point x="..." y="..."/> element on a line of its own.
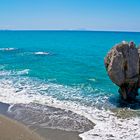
<point x="122" y="65"/>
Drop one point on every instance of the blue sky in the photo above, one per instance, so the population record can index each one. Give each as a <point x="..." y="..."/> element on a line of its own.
<point x="122" y="15"/>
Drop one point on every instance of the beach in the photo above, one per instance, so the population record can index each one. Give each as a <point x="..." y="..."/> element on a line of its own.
<point x="11" y="129"/>
<point x="55" y="134"/>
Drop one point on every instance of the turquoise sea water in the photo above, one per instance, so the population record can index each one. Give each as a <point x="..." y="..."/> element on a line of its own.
<point x="59" y="68"/>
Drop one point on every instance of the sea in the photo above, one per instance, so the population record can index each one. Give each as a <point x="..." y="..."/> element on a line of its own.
<point x="57" y="79"/>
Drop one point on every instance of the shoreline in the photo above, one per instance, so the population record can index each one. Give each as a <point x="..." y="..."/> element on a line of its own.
<point x="33" y="131"/>
<point x="55" y="134"/>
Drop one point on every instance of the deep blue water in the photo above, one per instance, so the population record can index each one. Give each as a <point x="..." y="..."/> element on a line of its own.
<point x="75" y="59"/>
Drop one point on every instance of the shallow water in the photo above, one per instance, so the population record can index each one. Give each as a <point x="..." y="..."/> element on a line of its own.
<point x="65" y="70"/>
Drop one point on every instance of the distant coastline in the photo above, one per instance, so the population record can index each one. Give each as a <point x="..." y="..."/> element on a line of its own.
<point x="69" y="30"/>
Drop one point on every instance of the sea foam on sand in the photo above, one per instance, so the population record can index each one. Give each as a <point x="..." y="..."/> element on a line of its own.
<point x="107" y="124"/>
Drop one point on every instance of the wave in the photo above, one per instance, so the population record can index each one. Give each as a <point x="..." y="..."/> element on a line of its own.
<point x="14" y="73"/>
<point x="108" y="124"/>
<point x="92" y="79"/>
<point x="41" y="53"/>
<point x="8" y="49"/>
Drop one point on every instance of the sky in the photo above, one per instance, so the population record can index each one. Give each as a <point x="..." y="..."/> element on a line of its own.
<point x="102" y="15"/>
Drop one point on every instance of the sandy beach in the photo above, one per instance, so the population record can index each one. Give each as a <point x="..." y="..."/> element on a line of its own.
<point x="55" y="134"/>
<point x="12" y="130"/>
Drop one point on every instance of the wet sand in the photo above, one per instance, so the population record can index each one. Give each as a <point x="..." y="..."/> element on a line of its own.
<point x="14" y="130"/>
<point x="55" y="134"/>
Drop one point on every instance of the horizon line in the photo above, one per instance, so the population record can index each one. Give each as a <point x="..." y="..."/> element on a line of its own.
<point x="78" y="30"/>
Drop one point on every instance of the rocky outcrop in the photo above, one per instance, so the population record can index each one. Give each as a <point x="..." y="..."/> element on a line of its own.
<point x="122" y="65"/>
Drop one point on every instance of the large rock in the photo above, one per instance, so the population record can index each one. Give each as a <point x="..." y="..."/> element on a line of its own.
<point x="122" y="63"/>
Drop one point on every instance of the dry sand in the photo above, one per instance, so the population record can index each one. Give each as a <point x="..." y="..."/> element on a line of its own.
<point x="12" y="130"/>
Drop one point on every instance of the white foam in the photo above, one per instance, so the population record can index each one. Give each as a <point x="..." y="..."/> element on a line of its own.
<point x="108" y="126"/>
<point x="114" y="128"/>
<point x="92" y="79"/>
<point x="8" y="49"/>
<point x="12" y="73"/>
<point x="41" y="53"/>
<point x="23" y="72"/>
